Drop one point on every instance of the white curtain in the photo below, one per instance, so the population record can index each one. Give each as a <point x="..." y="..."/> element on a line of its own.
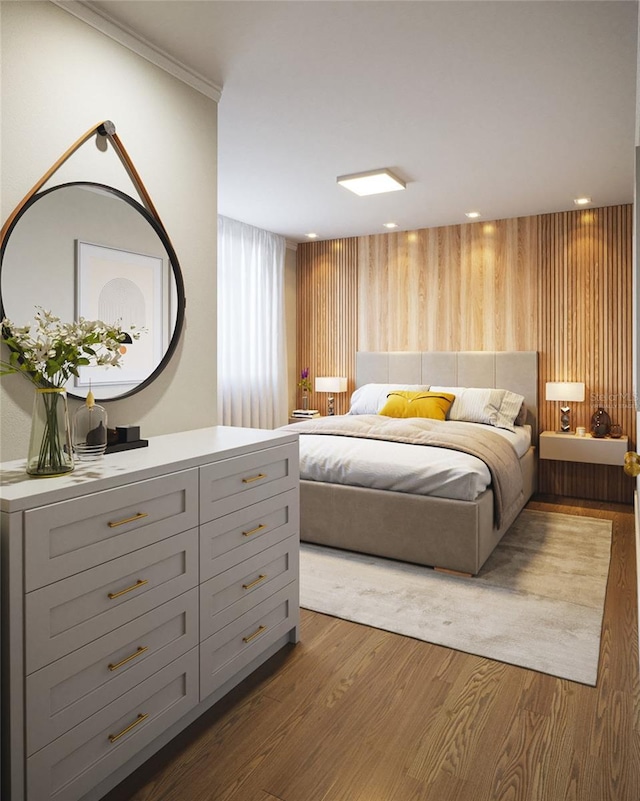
<point x="252" y="368"/>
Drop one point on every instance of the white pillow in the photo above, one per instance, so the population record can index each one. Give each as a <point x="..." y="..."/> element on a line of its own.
<point x="509" y="410"/>
<point x="494" y="407"/>
<point x="370" y="398"/>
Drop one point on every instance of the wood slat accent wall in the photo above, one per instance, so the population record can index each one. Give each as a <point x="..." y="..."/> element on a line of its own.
<point x="461" y="287"/>
<point x="556" y="283"/>
<point x="327" y="313"/>
<point x="585" y="334"/>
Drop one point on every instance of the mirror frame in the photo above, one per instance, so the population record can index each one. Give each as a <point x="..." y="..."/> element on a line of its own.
<point x="173" y="260"/>
<point x="107" y="129"/>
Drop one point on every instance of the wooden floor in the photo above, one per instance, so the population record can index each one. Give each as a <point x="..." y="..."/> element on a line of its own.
<point x="356" y="714"/>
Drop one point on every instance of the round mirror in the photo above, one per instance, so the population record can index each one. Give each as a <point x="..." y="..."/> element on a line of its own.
<point x="89" y="250"/>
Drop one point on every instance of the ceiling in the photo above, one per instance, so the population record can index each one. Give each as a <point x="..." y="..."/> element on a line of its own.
<point x="507" y="108"/>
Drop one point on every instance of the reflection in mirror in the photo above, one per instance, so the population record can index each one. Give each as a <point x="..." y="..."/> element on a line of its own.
<point x="88" y="250"/>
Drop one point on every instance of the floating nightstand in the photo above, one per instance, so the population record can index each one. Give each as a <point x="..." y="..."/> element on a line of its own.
<point x="587" y="449"/>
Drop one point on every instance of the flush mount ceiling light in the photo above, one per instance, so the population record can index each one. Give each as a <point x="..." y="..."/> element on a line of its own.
<point x="582" y="201"/>
<point x="472" y="214"/>
<point x="312" y="236"/>
<point x="390" y="225"/>
<point x="374" y="182"/>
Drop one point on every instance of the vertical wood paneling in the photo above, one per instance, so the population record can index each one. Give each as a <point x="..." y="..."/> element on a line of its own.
<point x="327" y="315"/>
<point x="556" y="283"/>
<point x="585" y="335"/>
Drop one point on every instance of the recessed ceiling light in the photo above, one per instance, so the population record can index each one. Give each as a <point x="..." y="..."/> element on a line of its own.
<point x="582" y="201"/>
<point x="312" y="236"/>
<point x="472" y="214"/>
<point x="390" y="225"/>
<point x="373" y="182"/>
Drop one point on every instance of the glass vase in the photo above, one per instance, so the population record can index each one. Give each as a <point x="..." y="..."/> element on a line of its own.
<point x="305" y="400"/>
<point x="50" y="451"/>
<point x="90" y="430"/>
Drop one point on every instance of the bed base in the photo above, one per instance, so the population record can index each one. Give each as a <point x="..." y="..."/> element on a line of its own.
<point x="454" y="535"/>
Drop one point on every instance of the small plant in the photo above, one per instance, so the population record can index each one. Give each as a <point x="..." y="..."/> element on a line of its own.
<point x="305" y="381"/>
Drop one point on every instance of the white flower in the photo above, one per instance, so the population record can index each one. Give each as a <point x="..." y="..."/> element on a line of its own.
<point x="56" y="351"/>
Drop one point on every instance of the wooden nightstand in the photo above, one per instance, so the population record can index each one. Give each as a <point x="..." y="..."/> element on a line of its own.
<point x="587" y="449"/>
<point x="300" y="419"/>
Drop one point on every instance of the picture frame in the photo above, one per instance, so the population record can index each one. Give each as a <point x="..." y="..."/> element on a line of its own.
<point x="128" y="289"/>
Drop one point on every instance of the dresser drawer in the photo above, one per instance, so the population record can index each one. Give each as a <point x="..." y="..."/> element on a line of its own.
<point x="65" y="538"/>
<point x="231" y="539"/>
<point x="231" y="484"/>
<point x="77" y="610"/>
<point x="71" y="689"/>
<point x="229" y="595"/>
<point x="70" y="766"/>
<point x="223" y="654"/>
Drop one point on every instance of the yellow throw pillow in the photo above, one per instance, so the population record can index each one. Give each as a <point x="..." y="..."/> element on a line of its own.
<point x="418" y="404"/>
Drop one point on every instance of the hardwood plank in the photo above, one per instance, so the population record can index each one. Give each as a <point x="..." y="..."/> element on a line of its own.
<point x="354" y="714"/>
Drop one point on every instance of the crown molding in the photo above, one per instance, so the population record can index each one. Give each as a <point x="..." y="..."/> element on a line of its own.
<point x="133" y="41"/>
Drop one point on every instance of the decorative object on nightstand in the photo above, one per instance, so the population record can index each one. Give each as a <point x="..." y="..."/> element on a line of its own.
<point x="600" y="423"/>
<point x="90" y="430"/>
<point x="332" y="385"/>
<point x="564" y="391"/>
<point x="305" y="386"/>
<point x="303" y="414"/>
<point x="616" y="431"/>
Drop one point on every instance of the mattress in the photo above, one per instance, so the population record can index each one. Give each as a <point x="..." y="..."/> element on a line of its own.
<point x="401" y="467"/>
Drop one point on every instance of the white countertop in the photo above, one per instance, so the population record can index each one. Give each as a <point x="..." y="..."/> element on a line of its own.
<point x="182" y="450"/>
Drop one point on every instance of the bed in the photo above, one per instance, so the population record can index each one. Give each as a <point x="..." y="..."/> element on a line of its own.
<point x="455" y="533"/>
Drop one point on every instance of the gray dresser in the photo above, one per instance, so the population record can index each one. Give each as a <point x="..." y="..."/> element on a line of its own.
<point x="136" y="592"/>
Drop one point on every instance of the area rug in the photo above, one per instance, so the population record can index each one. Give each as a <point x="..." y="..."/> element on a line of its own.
<point x="537" y="603"/>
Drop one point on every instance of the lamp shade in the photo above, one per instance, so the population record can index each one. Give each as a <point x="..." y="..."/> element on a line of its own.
<point x="564" y="391"/>
<point x="331" y="384"/>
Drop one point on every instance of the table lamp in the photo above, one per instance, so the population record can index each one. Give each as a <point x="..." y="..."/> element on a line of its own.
<point x="332" y="385"/>
<point x="564" y="391"/>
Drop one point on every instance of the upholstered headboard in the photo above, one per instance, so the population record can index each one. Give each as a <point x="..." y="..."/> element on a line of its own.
<point x="513" y="370"/>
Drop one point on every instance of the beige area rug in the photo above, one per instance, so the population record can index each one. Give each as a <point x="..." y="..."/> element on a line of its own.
<point x="537" y="602"/>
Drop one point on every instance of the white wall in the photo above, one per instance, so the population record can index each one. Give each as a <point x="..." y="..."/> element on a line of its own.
<point x="61" y="77"/>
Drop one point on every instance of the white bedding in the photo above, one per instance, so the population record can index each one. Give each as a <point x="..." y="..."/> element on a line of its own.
<point x="418" y="469"/>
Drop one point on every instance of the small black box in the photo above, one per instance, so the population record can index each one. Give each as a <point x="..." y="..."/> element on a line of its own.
<point x="128" y="433"/>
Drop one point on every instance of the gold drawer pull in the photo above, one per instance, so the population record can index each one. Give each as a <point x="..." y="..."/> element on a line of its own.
<point x="136" y="722"/>
<point x="141" y="650"/>
<point x="117" y="523"/>
<point x="255" y="634"/>
<point x="253" y="530"/>
<point x="139" y="583"/>
<point x="260" y="578"/>
<point x="251" y="479"/>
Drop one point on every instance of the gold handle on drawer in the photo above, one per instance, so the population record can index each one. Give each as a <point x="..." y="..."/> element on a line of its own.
<point x="253" y="530"/>
<point x="116" y="523"/>
<point x="260" y="630"/>
<point x="113" y="737"/>
<point x="251" y="479"/>
<point x="141" y="650"/>
<point x="260" y="578"/>
<point x="139" y="583"/>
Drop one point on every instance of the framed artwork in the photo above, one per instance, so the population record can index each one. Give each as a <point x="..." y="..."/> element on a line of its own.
<point x="128" y="289"/>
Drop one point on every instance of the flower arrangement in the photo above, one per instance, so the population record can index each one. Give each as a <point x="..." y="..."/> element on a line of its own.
<point x="54" y="351"/>
<point x="305" y="381"/>
<point x="48" y="354"/>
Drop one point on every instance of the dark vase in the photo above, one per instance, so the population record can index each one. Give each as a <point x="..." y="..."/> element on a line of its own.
<point x="600" y="423"/>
